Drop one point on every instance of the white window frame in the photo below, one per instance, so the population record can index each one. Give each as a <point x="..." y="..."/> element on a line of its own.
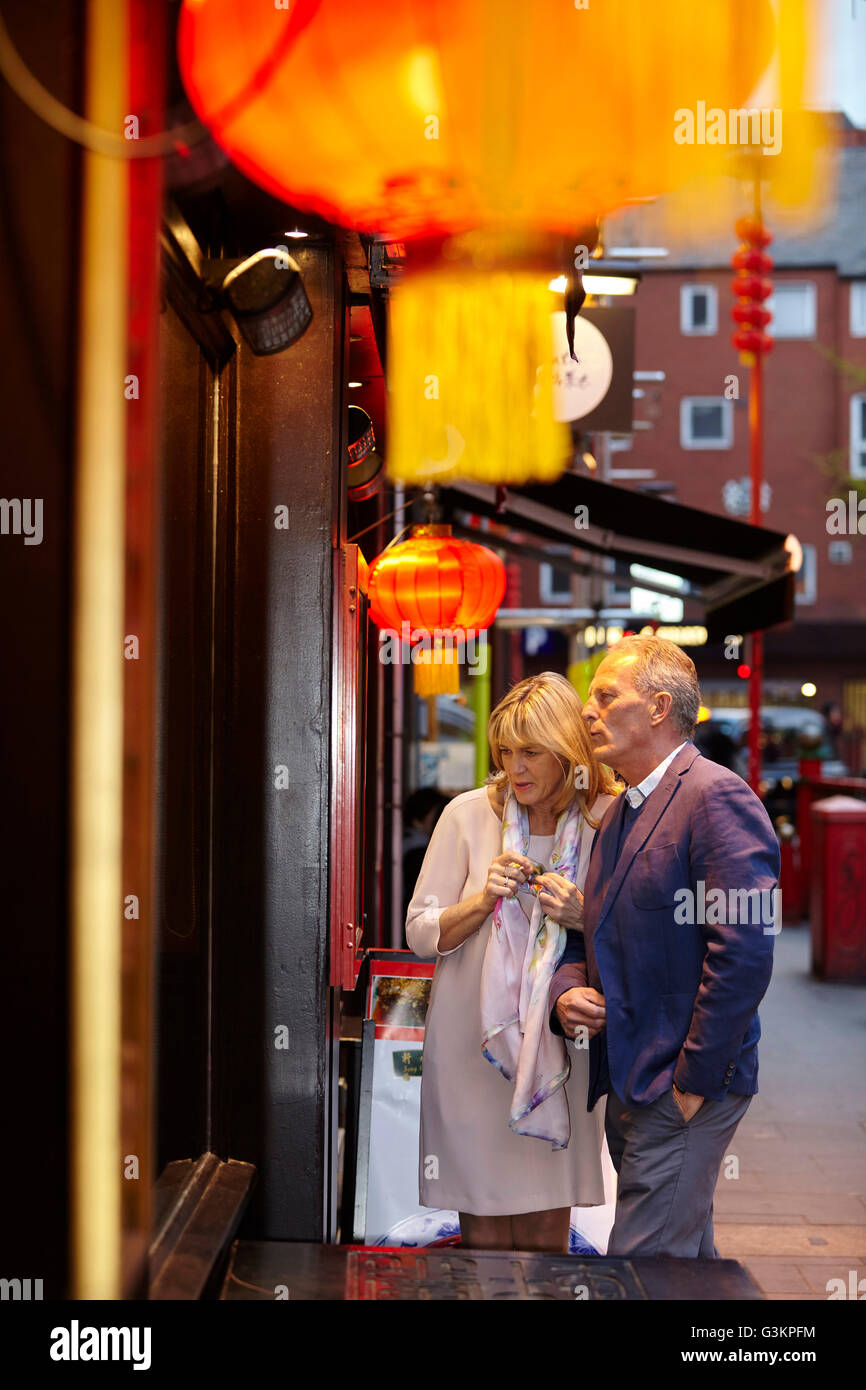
<point x="856" y="439"/>
<point x="687" y="440"/>
<point x="687" y="293"/>
<point x="809" y="575"/>
<point x="857" y="308"/>
<point x="546" y="591"/>
<point x="811" y="306"/>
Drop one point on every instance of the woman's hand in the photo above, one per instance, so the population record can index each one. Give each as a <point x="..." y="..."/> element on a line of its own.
<point x="561" y="900"/>
<point x="504" y="877"/>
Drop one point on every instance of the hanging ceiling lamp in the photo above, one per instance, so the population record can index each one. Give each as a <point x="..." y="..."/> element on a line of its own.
<point x="483" y="135"/>
<point x="435" y="593"/>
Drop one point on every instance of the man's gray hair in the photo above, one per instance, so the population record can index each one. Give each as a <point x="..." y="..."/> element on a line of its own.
<point x="662" y="665"/>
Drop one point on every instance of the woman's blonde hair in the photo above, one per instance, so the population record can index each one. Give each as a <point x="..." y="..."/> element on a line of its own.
<point x="545" y="712"/>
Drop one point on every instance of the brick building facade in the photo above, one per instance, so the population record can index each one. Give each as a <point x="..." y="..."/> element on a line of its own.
<point x="690" y="441"/>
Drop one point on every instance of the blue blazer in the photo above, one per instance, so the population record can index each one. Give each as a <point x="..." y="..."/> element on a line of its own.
<point x="681" y="993"/>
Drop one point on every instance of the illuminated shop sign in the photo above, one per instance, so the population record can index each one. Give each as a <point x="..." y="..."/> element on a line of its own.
<point x="600" y="636"/>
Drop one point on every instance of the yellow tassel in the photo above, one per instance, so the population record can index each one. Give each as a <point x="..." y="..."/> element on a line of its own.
<point x="436" y="671"/>
<point x="470" y="368"/>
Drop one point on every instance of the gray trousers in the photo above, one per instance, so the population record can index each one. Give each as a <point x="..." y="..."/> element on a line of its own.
<point x="667" y="1172"/>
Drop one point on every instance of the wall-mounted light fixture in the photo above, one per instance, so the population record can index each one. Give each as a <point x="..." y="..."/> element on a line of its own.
<point x="363" y="463"/>
<point x="267" y="299"/>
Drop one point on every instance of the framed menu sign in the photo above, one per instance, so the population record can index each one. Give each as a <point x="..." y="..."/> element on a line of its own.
<point x="387" y="1210"/>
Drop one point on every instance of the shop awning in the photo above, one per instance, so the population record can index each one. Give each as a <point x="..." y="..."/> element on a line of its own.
<point x="740" y="575"/>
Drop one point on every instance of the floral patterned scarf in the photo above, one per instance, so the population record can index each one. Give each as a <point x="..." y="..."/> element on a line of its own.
<point x="519" y="963"/>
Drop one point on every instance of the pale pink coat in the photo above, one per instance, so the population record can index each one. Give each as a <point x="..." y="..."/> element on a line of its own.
<point x="469" y="1159"/>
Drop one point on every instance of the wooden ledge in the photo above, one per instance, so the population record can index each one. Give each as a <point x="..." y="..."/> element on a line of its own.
<point x="199" y="1204"/>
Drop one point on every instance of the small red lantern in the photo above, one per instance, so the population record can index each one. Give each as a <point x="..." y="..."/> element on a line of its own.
<point x="750" y="315"/>
<point x="747" y="258"/>
<point x="752" y="287"/>
<point x="752" y="340"/>
<point x="752" y="231"/>
<point x="434" y="593"/>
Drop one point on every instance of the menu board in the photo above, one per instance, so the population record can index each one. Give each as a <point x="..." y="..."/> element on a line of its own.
<point x="387" y="1210"/>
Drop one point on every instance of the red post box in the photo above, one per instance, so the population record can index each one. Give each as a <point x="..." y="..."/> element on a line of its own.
<point x="839" y="888"/>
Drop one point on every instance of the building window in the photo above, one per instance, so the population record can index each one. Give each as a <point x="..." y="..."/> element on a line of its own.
<point x="806" y="586"/>
<point x="839" y="552"/>
<point x="794" y="308"/>
<point x="554" y="584"/>
<point x="706" y="422"/>
<point x="699" y="309"/>
<point x="857" y="307"/>
<point x="620" y="443"/>
<point x="618" y="588"/>
<point x="858" y="436"/>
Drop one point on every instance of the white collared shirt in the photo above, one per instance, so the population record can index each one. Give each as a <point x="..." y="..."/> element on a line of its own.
<point x="636" y="796"/>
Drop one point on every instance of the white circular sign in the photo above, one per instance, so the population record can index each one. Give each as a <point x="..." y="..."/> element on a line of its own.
<point x="578" y="387"/>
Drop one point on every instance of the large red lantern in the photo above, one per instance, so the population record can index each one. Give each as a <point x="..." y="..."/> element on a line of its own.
<point x="434" y="594"/>
<point x="483" y="136"/>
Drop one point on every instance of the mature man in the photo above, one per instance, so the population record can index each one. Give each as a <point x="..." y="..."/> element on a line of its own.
<point x="676" y="953"/>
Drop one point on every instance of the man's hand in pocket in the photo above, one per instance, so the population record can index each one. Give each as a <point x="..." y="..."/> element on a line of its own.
<point x="689" y="1105"/>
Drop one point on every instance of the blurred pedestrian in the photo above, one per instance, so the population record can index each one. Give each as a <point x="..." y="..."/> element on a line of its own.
<point x="711" y="740"/>
<point x="420" y="814"/>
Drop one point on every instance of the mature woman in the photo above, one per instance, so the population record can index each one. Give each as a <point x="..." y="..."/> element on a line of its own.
<point x="505" y="1136"/>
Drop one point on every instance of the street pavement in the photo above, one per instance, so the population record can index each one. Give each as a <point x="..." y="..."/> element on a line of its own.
<point x="795" y="1213"/>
